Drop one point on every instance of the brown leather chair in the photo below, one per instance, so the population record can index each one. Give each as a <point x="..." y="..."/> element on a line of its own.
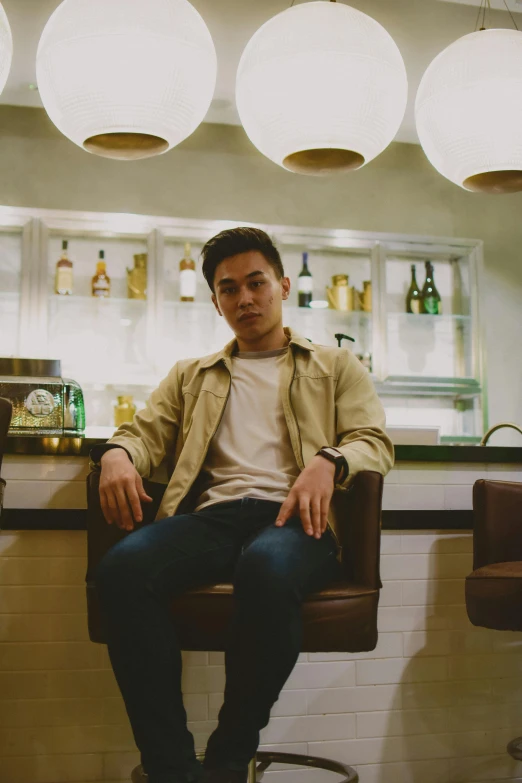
<point x="341" y="618"/>
<point x="494" y="588"/>
<point x="6" y="410"/>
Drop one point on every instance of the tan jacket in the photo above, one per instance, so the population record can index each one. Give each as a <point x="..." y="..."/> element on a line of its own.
<point x="328" y="400"/>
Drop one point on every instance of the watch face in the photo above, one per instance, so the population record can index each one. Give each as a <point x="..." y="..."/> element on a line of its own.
<point x="333" y="452"/>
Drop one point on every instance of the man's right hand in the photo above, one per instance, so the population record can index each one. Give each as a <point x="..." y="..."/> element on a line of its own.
<point x="121" y="490"/>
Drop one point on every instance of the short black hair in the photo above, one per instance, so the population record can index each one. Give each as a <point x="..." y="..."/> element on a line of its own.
<point x="239" y="240"/>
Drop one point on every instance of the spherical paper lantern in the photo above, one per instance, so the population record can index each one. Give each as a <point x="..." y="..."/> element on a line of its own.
<point x="126" y="79"/>
<point x="6" y="48"/>
<point x="468" y="111"/>
<point x="321" y="87"/>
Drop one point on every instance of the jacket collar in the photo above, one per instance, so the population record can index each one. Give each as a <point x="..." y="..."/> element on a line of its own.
<point x="228" y="350"/>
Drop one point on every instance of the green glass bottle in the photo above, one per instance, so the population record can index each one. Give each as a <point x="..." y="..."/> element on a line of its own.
<point x="431" y="300"/>
<point x="413" y="297"/>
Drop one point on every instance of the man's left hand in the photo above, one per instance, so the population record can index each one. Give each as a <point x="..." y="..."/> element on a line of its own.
<point x="310" y="497"/>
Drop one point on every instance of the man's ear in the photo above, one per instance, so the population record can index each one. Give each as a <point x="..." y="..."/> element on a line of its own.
<point x="214" y="300"/>
<point x="286" y="287"/>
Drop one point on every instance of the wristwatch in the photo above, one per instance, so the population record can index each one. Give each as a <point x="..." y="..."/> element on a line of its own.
<point x="97" y="452"/>
<point x="341" y="465"/>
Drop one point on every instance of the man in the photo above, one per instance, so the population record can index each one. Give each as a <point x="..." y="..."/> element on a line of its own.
<point x="248" y="501"/>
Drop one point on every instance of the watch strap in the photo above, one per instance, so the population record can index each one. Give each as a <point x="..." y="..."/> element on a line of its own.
<point x="337" y="457"/>
<point x="97" y="452"/>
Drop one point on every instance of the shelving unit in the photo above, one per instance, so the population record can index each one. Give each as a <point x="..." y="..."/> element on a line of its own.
<point x="428" y="369"/>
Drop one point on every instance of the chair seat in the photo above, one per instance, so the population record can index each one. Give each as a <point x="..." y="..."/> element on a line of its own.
<point x="335" y="591"/>
<point x="340" y="618"/>
<point x="494" y="596"/>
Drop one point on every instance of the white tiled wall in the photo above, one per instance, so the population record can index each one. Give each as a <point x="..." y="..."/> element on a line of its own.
<point x="437" y="700"/>
<point x="45" y="482"/>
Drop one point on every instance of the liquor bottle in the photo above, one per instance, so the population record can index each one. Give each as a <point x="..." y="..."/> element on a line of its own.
<point x="431" y="301"/>
<point x="305" y="284"/>
<point x="63" y="284"/>
<point x="101" y="282"/>
<point x="137" y="278"/>
<point x="187" y="276"/>
<point x="413" y="297"/>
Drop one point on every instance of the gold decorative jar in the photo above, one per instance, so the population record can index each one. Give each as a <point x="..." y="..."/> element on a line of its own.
<point x="125" y="409"/>
<point x="340" y="295"/>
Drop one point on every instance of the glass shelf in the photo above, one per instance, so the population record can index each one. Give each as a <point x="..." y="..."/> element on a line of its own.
<point x="336" y="316"/>
<point x="101" y="301"/>
<point x="424" y="317"/>
<point x="328" y="314"/>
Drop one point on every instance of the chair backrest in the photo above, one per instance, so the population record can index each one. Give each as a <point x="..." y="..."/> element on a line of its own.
<point x="359" y="512"/>
<point x="497" y="528"/>
<point x="6" y="410"/>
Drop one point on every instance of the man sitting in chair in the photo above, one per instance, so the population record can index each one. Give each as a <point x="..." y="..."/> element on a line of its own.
<point x="258" y="436"/>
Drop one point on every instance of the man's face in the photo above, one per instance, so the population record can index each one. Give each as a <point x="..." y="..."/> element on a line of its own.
<point x="248" y="294"/>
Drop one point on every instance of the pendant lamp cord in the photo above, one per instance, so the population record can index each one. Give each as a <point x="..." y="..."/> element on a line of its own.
<point x="511" y="15"/>
<point x="485" y="6"/>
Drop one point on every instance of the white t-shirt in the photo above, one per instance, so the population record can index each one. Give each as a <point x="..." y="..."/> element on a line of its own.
<point x="251" y="454"/>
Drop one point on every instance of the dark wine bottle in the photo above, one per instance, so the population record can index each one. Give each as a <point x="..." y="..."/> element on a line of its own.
<point x="413" y="297"/>
<point x="305" y="284"/>
<point x="431" y="301"/>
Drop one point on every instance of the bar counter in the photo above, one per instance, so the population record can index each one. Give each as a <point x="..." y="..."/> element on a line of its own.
<point x="80" y="445"/>
<point x="430" y="487"/>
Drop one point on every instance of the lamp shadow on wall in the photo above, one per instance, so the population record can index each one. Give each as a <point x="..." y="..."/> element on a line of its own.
<point x="459" y="699"/>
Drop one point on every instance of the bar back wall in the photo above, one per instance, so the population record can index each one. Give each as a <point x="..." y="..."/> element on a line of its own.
<point x="437" y="699"/>
<point x="218" y="174"/>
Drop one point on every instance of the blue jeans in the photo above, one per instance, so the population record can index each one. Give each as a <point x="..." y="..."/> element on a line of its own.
<point x="272" y="570"/>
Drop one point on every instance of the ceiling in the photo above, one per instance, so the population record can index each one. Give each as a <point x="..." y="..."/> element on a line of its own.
<point x="421" y="29"/>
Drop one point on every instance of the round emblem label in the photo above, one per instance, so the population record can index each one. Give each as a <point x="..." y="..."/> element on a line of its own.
<point x="40" y="402"/>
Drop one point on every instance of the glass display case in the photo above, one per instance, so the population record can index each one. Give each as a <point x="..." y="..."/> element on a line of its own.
<point x="431" y="367"/>
<point x="428" y="368"/>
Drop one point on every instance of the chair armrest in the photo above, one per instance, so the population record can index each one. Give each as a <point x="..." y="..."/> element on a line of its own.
<point x="358" y="512"/>
<point x="100" y="535"/>
<point x="497" y="528"/>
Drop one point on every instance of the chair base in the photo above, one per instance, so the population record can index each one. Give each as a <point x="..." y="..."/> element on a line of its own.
<point x="264" y="759"/>
<point x="514" y="748"/>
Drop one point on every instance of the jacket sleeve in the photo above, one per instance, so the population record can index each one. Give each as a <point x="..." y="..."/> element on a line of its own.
<point x="154" y="430"/>
<point x="360" y="420"/>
